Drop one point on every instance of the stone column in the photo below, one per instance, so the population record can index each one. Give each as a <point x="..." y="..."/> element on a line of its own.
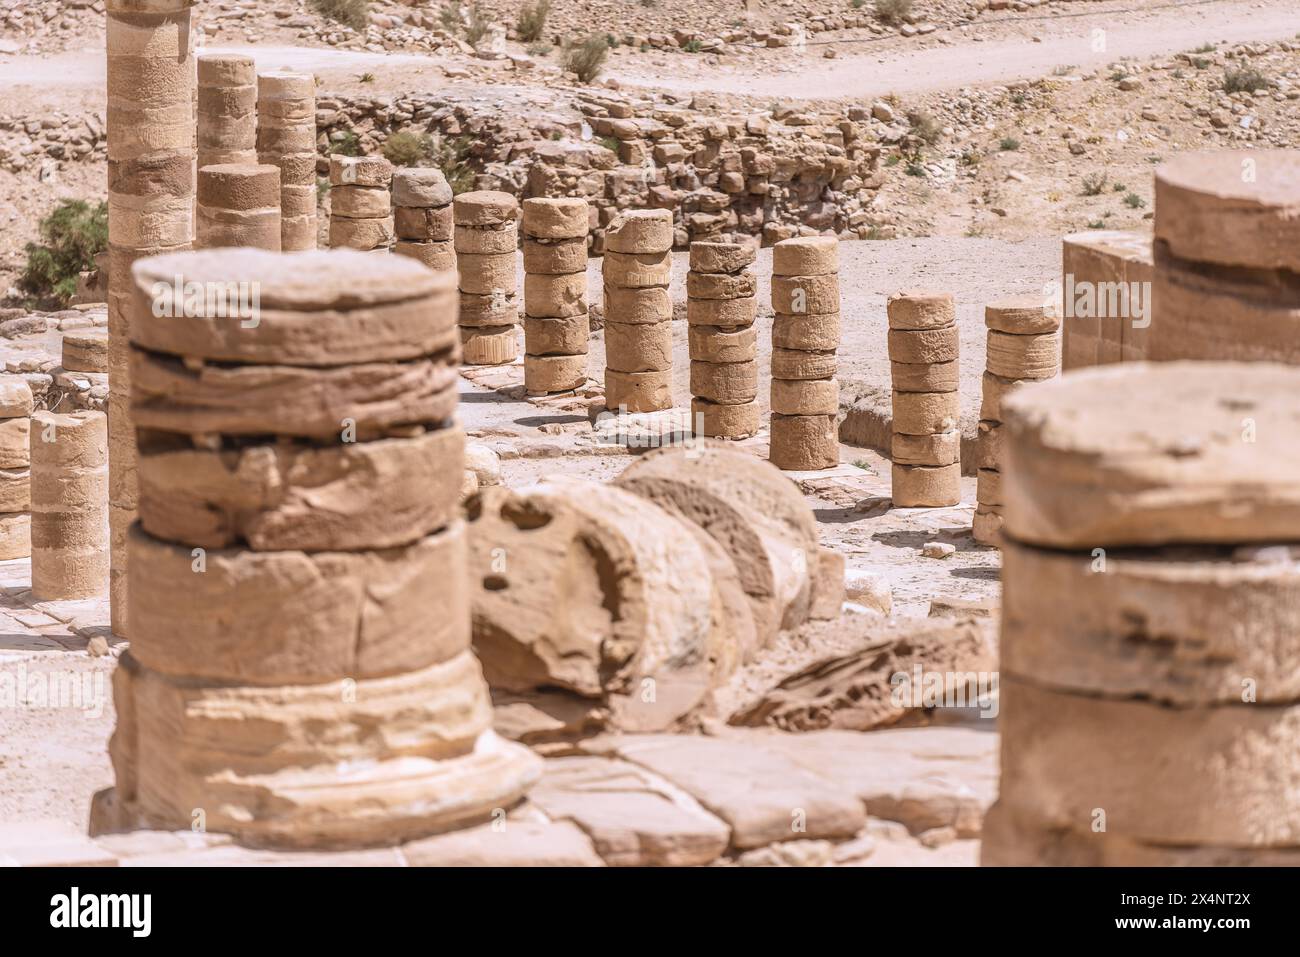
<point x="286" y="137"/>
<point x="69" y="456"/>
<point x="151" y="168"/>
<point x="227" y="107"/>
<point x="1227" y="257"/>
<point x="361" y="203"/>
<point x="556" y="327"/>
<point x="298" y="489"/>
<point x="1024" y="343"/>
<point x="923" y="360"/>
<point x="806" y="300"/>
<point x="239" y="206"/>
<point x="1150" y="699"/>
<point x="721" y="305"/>
<point x="422" y="218"/>
<point x="15" y="469"/>
<point x="638" y="268"/>
<point x="486" y="239"/>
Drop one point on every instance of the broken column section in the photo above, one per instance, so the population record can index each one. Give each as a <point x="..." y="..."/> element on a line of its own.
<point x="1149" y="694"/>
<point x="69" y="498"/>
<point x="286" y="137"/>
<point x="422" y="219"/>
<point x="227" y="108"/>
<point x="638" y="269"/>
<point x="805" y="335"/>
<point x="239" y="205"/>
<point x="1023" y="346"/>
<point x="486" y="240"/>
<point x="299" y="487"/>
<point x="15" y="468"/>
<point x="556" y="326"/>
<point x="923" y="360"/>
<point x="1227" y="257"/>
<point x="151" y="170"/>
<point x="720" y="308"/>
<point x="361" y="203"/>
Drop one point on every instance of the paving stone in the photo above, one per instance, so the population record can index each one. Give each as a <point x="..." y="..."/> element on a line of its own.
<point x="518" y="844"/>
<point x="49" y="843"/>
<point x="764" y="795"/>
<point x="923" y="777"/>
<point x="632" y="816"/>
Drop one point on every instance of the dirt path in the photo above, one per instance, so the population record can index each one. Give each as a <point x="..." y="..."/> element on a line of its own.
<point x="981" y="55"/>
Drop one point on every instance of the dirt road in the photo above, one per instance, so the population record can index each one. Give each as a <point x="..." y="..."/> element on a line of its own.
<point x="983" y="55"/>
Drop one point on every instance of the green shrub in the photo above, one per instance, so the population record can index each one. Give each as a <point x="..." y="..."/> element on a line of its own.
<point x="71" y="236"/>
<point x="348" y="145"/>
<point x="451" y="16"/>
<point x="452" y="156"/>
<point x="925" y="127"/>
<point x="1008" y="144"/>
<point x="1093" y="184"/>
<point x="477" y="27"/>
<point x="409" y="148"/>
<point x="350" y="13"/>
<point x="893" y="11"/>
<point x="587" y="58"/>
<point x="1134" y="201"/>
<point x="1244" y="80"/>
<point x="532" y="21"/>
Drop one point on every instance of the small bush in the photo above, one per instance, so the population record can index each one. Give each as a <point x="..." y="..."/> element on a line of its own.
<point x="1204" y="48"/>
<point x="1244" y="80"/>
<point x="452" y="156"/>
<point x="1008" y="144"/>
<point x="586" y="59"/>
<point x="408" y="148"/>
<point x="72" y="235"/>
<point x="1093" y="184"/>
<point x="451" y="16"/>
<point x="1134" y="201"/>
<point x="925" y="127"/>
<point x="477" y="27"/>
<point x="693" y="46"/>
<point x="350" y="13"/>
<point x="347" y="145"/>
<point x="893" y="11"/>
<point x="366" y="78"/>
<point x="1201" y="63"/>
<point x="531" y="23"/>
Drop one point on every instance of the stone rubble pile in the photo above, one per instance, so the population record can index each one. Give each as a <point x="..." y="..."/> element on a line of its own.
<point x="298" y="485"/>
<point x="238" y="205"/>
<point x="622" y="606"/>
<point x="721" y="306"/>
<point x="637" y="270"/>
<point x="486" y="239"/>
<point x="556" y="325"/>
<point x="1149" y="694"/>
<point x="361" y="203"/>
<point x="1023" y="346"/>
<point x="924" y="365"/>
<point x="286" y="137"/>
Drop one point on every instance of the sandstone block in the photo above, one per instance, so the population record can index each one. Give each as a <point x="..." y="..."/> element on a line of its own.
<point x="806" y="295"/>
<point x="926" y="376"/>
<point x="723" y="313"/>
<point x="639" y="391"/>
<point x="564" y="218"/>
<point x="1023" y="356"/>
<point x="806" y="256"/>
<point x="640" y="231"/>
<point x="555" y="373"/>
<point x="920" y="486"/>
<point x="923" y="413"/>
<point x="918" y="346"/>
<point x="938" y="448"/>
<point x="639" y="348"/>
<point x="804" y="442"/>
<point x="921" y="310"/>
<point x="555" y="296"/>
<point x="727" y="383"/>
<point x="565" y="336"/>
<point x="805" y="396"/>
<point x="485" y="208"/>
<point x="806" y="333"/>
